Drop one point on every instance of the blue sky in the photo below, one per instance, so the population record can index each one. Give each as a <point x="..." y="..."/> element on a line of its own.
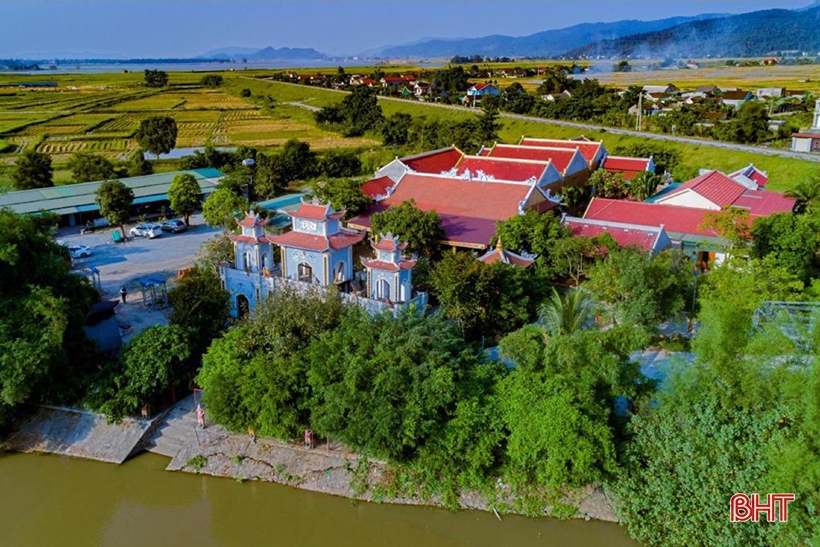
<point x="182" y="29"/>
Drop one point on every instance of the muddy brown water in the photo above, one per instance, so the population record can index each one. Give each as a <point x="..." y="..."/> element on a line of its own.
<point x="57" y="501"/>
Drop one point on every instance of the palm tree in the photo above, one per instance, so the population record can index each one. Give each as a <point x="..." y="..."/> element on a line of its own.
<point x="807" y="194"/>
<point x="566" y="315"/>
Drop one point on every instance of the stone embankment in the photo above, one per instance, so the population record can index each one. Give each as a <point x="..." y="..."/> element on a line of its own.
<point x="329" y="468"/>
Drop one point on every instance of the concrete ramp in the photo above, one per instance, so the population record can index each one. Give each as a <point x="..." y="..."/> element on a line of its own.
<point x="79" y="434"/>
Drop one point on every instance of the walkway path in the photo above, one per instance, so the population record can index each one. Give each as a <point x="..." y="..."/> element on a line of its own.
<point x="591" y="127"/>
<point x="305" y="106"/>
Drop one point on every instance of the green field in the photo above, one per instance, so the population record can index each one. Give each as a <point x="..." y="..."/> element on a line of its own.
<point x="99" y="113"/>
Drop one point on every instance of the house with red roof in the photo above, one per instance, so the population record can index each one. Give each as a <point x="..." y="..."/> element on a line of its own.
<point x="628" y="167"/>
<point x="751" y="177"/>
<point x="541" y="173"/>
<point x="715" y="191"/>
<point x="683" y="225"/>
<point x="433" y="162"/>
<point x="593" y="152"/>
<point x="479" y="91"/>
<point x="499" y="254"/>
<point x="469" y="208"/>
<point x="652" y="239"/>
<point x="570" y="163"/>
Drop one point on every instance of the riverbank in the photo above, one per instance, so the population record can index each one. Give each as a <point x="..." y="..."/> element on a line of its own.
<point x="329" y="468"/>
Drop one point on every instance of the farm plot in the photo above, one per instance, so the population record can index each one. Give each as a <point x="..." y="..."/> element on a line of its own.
<point x="206" y="100"/>
<point x="159" y="101"/>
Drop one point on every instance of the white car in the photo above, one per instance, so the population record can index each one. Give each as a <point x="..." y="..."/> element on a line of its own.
<point x="148" y="230"/>
<point x="79" y="251"/>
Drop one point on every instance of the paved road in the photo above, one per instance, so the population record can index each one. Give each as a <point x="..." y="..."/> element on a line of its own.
<point x="615" y="131"/>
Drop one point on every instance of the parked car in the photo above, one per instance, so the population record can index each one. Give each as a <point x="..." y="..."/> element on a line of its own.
<point x="174" y="225"/>
<point x="79" y="251"/>
<point x="148" y="230"/>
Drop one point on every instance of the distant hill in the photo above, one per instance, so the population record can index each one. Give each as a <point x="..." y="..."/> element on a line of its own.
<point x="748" y="35"/>
<point x="264" y="54"/>
<point x="542" y="44"/>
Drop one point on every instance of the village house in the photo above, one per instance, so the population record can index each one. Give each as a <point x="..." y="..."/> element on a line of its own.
<point x="735" y="99"/>
<point x="593" y="152"/>
<point x="809" y="139"/>
<point x="628" y="167"/>
<point x="652" y="239"/>
<point x="571" y="164"/>
<point x="479" y="91"/>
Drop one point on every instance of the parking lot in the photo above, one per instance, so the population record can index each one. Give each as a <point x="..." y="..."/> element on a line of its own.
<point x="123" y="264"/>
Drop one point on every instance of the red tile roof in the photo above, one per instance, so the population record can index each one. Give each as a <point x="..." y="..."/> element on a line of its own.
<point x="629" y="167"/>
<point x="685" y="220"/>
<point x="560" y="157"/>
<point x="761" y="203"/>
<point x="377" y="187"/>
<point x="501" y="169"/>
<point x="389" y="266"/>
<point x="252" y="220"/>
<point x="506" y="257"/>
<point x="587" y="148"/>
<point x="482" y="85"/>
<point x="714" y="186"/>
<point x="752" y="173"/>
<point x="480" y="199"/>
<point x="434" y="162"/>
<point x="249" y="239"/>
<point x="340" y="240"/>
<point x="626" y="235"/>
<point x="389" y="244"/>
<point x="309" y="211"/>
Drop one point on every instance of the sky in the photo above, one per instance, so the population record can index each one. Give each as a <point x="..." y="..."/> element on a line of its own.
<point x="187" y="29"/>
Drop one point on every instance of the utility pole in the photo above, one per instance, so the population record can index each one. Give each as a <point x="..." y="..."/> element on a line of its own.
<point x="640" y="112"/>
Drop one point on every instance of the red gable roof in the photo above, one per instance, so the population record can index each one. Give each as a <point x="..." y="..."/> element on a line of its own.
<point x="629" y="167"/>
<point x="714" y="186"/>
<point x="309" y="211"/>
<point x="339" y="240"/>
<point x="588" y="149"/>
<point x="685" y="220"/>
<point x="389" y="244"/>
<point x="482" y="85"/>
<point x="752" y="173"/>
<point x="506" y="257"/>
<point x="501" y="169"/>
<point x="625" y="234"/>
<point x="377" y="187"/>
<point x="249" y="239"/>
<point x="761" y="203"/>
<point x="434" y="162"/>
<point x="389" y="266"/>
<point x="252" y="220"/>
<point x="560" y="157"/>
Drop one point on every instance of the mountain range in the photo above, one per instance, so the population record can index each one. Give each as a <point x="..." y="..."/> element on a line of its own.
<point x="549" y="43"/>
<point x="264" y="54"/>
<point x="747" y="35"/>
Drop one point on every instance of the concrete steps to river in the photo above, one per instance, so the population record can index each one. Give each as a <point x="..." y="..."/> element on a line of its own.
<point x="177" y="429"/>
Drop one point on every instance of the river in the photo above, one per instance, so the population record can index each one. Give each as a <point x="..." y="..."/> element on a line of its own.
<point x="56" y="501"/>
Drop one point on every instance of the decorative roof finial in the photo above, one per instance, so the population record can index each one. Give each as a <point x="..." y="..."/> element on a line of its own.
<point x="498" y="246"/>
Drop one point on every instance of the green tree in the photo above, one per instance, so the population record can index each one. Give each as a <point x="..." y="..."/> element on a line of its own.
<point x="200" y="305"/>
<point x="340" y="163"/>
<point x="396" y="129"/>
<point x="257" y="374"/>
<point x="488" y="126"/>
<point x="115" y="199"/>
<point x="807" y="194"/>
<point x="568" y="314"/>
<point x="152" y="363"/>
<point x="643" y="185"/>
<point x="184" y="195"/>
<point x="531" y="232"/>
<point x="138" y="166"/>
<point x="343" y="195"/>
<point x="733" y="226"/>
<point x="386" y="386"/>
<point x="792" y="240"/>
<point x="155" y="78"/>
<point x="358" y="113"/>
<point x="622" y="66"/>
<point x="220" y="208"/>
<point x="462" y="285"/>
<point x="157" y="135"/>
<point x="88" y="167"/>
<point x="298" y="161"/>
<point x="639" y="289"/>
<point x="44" y="355"/>
<point x="422" y="230"/>
<point x="753" y="122"/>
<point x="32" y="170"/>
<point x="609" y="185"/>
<point x="245" y="93"/>
<point x="211" y="80"/>
<point x="572" y="256"/>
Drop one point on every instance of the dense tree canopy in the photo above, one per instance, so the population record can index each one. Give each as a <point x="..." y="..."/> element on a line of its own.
<point x="422" y="230"/>
<point x="200" y="305"/>
<point x="44" y="355"/>
<point x="184" y="195"/>
<point x="343" y="195"/>
<point x="211" y="80"/>
<point x="115" y="199"/>
<point x="138" y="166"/>
<point x="32" y="170"/>
<point x="358" y="113"/>
<point x="155" y="78"/>
<point x="157" y="135"/>
<point x="793" y="241"/>
<point x="89" y="167"/>
<point x="222" y="206"/>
